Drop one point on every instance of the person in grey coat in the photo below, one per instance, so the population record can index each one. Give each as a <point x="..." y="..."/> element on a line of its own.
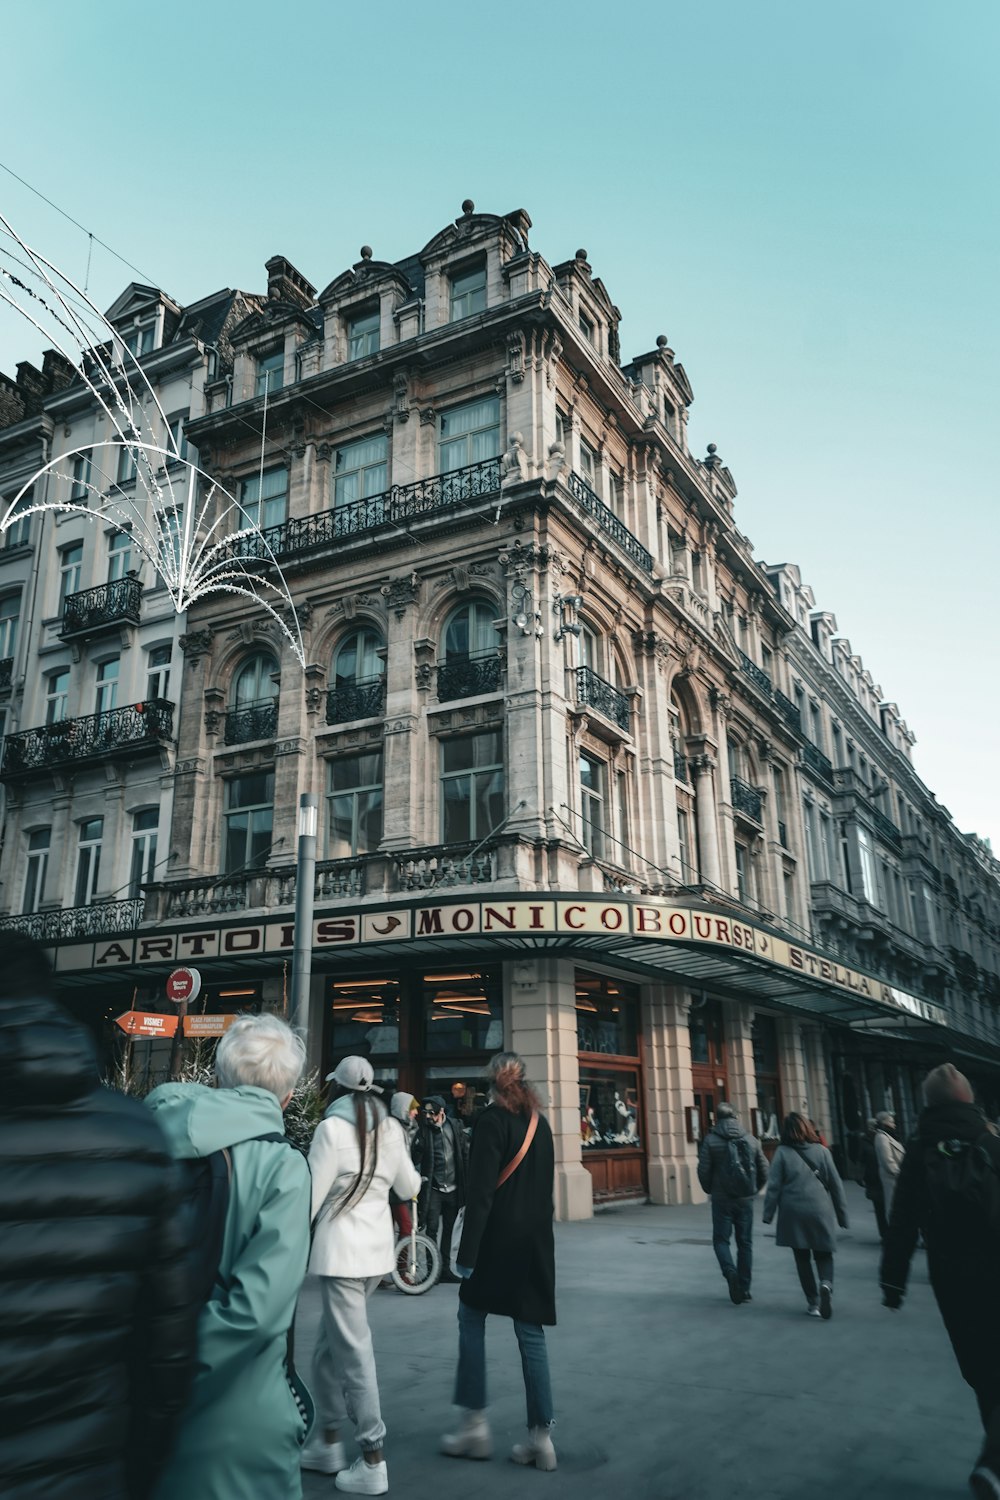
<point x="806" y="1192"/>
<point x="732" y="1202"/>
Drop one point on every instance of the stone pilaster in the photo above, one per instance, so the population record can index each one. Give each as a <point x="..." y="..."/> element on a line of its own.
<point x="671" y="1159"/>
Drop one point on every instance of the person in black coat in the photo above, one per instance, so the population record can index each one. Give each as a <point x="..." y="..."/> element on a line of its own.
<point x="440" y="1154"/>
<point x="507" y="1261"/>
<point x="963" y="1249"/>
<point x="97" y="1324"/>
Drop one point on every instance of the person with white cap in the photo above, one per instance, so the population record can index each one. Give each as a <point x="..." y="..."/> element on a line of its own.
<point x="357" y="1155"/>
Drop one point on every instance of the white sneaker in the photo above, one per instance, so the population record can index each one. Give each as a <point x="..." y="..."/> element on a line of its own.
<point x="812" y="1311"/>
<point x="363" y="1478"/>
<point x="538" y="1450"/>
<point x="472" y="1440"/>
<point x="326" y="1458"/>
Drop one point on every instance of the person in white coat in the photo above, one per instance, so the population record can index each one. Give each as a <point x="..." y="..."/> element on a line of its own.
<point x="358" y="1153"/>
<point x="889" y="1151"/>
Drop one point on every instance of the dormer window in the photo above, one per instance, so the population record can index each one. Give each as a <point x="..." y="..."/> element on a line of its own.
<point x="270" y="373"/>
<point x="468" y="292"/>
<point x="363" y="330"/>
<point x="141" y="339"/>
<point x="587" y="328"/>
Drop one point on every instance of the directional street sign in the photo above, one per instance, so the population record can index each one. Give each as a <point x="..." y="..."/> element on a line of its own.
<point x="144" y="1023"/>
<point x="207" y="1025"/>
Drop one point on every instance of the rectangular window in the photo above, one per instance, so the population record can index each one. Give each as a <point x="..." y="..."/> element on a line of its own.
<point x="812" y="843"/>
<point x="10" y="614"/>
<point x="249" y="818"/>
<point x="470" y="434"/>
<point x="472" y="787"/>
<point x="780" y="812"/>
<point x="82" y="467"/>
<point x="869" y="870"/>
<point x="70" y="565"/>
<point x="586" y="327"/>
<point x="158" y="673"/>
<point x="18" y="533"/>
<point x="838" y="753"/>
<point x="355" y="805"/>
<point x="177" y="441"/>
<point x="264" y="499"/>
<point x="791" y="910"/>
<point x="56" y="696"/>
<point x="172" y="526"/>
<point x="88" y="864"/>
<point x="364" y="333"/>
<point x="689" y="873"/>
<point x="562" y="427"/>
<point x="143" y="864"/>
<point x="37" y="869"/>
<point x="270" y="373"/>
<point x="463" y="1013"/>
<point x="622" y="844"/>
<point x="588" y="465"/>
<point x="107" y="685"/>
<point x="139" y="341"/>
<point x="126" y="466"/>
<point x="825" y="845"/>
<point x="593" y="799"/>
<point x="742" y="873"/>
<point x="361" y="469"/>
<point x="815" y="724"/>
<point x="468" y="292"/>
<point x="119" y="555"/>
<point x="616" y="496"/>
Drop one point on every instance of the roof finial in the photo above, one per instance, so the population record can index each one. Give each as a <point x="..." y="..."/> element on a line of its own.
<point x="366" y="252"/>
<point x="468" y="207"/>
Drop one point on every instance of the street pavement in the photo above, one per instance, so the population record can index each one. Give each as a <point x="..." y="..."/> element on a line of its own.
<point x="663" y="1389"/>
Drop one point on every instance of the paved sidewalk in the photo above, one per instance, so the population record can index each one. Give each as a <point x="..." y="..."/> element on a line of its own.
<point x="666" y="1391"/>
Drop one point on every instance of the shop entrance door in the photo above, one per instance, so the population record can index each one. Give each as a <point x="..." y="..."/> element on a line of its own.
<point x="709" y="1074"/>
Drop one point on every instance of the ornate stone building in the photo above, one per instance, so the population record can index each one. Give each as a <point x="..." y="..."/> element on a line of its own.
<point x="556" y="715"/>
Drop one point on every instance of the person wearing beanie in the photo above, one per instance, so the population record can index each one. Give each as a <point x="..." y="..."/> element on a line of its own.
<point x="441" y="1155"/>
<point x="358" y="1155"/>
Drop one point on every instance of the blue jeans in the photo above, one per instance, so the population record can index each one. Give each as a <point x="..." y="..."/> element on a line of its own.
<point x="470" y="1377"/>
<point x="730" y="1214"/>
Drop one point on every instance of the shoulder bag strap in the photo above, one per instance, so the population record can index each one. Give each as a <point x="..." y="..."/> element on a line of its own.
<point x="516" y="1161"/>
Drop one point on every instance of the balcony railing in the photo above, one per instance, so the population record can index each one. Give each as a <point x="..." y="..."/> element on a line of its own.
<point x="116" y="603"/>
<point x="258" y="721"/>
<point x="756" y="674"/>
<point x="120" y="731"/>
<point x="468" y="676"/>
<point x="817" y="762"/>
<point x="6" y="673"/>
<point x="594" y="692"/>
<point x="681" y="767"/>
<point x="455" y="864"/>
<point x="99" y="920"/>
<point x="355" y="700"/>
<point x="393" y="507"/>
<point x="788" y="710"/>
<point x="609" y="522"/>
<point x="886" y="829"/>
<point x="746" y="798"/>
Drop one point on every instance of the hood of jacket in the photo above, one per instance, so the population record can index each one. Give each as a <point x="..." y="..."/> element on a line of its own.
<point x="45" y="1057"/>
<point x="400" y="1106"/>
<point x="728" y="1129"/>
<point x="951" y="1121"/>
<point x="198" y="1120"/>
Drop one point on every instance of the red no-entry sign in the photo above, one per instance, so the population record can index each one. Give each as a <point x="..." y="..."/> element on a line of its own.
<point x="183" y="986"/>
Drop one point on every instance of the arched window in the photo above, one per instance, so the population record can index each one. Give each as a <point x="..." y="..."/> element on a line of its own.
<point x="471" y="663"/>
<point x="253" y="714"/>
<point x="357" y="688"/>
<point x="687" y="807"/>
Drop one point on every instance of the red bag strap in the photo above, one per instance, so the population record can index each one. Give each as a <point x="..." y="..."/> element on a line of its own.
<point x="516" y="1161"/>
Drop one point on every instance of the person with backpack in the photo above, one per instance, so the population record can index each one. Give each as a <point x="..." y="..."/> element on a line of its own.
<point x="242" y="1429"/>
<point x="949" y="1189"/>
<point x="806" y="1192"/>
<point x="358" y="1155"/>
<point x="506" y="1259"/>
<point x="732" y="1169"/>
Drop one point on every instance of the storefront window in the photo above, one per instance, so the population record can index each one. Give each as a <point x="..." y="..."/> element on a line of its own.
<point x="607" y="1016"/>
<point x="462" y="1013"/>
<point x="705" y="1027"/>
<point x="765" y="1060"/>
<point x="609" y="1109"/>
<point x="365" y="1018"/>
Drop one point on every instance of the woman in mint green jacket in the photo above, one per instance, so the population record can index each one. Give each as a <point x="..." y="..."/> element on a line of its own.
<point x="241" y="1436"/>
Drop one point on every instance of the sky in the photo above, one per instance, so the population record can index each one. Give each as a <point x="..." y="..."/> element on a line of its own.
<point x="802" y="197"/>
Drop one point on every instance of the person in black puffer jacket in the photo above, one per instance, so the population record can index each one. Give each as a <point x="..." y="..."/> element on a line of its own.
<point x="97" y="1324"/>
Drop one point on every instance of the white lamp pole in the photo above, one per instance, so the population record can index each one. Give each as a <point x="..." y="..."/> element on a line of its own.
<point x="305" y="879"/>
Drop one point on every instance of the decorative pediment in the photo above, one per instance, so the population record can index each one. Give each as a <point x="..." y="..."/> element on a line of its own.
<point x="365" y="278"/>
<point x="137" y="299"/>
<point x="272" y="318"/>
<point x="473" y="230"/>
<point x="725" y="639"/>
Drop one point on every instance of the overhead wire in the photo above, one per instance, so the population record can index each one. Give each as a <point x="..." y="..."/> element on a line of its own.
<point x="82" y="227"/>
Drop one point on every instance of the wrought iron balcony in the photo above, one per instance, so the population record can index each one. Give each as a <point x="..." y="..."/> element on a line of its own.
<point x="6" y="673"/>
<point x="746" y="798"/>
<point x="609" y="522"/>
<point x="756" y="674"/>
<point x="453" y="864"/>
<point x="355" y="700"/>
<point x="814" y="760"/>
<point x="468" y="676"/>
<point x="119" y="733"/>
<point x="101" y="919"/>
<point x="258" y="721"/>
<point x="594" y="692"/>
<point x="681" y="772"/>
<point x="116" y="603"/>
<point x="392" y="507"/>
<point x="788" y="710"/>
<point x="887" y="830"/>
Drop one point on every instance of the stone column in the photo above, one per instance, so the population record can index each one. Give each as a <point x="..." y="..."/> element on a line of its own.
<point x="703" y="769"/>
<point x="817" y="1073"/>
<point x="408" y="678"/>
<point x="791" y="1063"/>
<point x="194" y="834"/>
<point x="737" y="1022"/>
<point x="671" y="1159"/>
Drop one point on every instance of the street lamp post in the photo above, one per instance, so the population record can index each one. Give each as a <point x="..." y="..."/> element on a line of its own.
<point x="305" y="879"/>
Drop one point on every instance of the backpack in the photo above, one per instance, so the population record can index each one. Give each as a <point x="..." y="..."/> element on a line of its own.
<point x="204" y="1202"/>
<point x="739" y="1178"/>
<point x="963" y="1182"/>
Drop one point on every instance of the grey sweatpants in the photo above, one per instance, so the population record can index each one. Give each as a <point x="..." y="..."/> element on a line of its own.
<point x="345" y="1384"/>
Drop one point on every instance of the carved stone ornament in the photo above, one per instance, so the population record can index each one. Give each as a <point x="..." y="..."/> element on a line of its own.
<point x="523" y="558"/>
<point x="401" y="396"/>
<point x="400" y="593"/>
<point x="514" y="463"/>
<point x="557" y="461"/>
<point x="213" y="721"/>
<point x="721" y="702"/>
<point x="314" y="699"/>
<point x="515" y="356"/>
<point x="428" y="416"/>
<point x="196" y="644"/>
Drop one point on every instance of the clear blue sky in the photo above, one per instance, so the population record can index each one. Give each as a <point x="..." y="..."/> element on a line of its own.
<point x="802" y="197"/>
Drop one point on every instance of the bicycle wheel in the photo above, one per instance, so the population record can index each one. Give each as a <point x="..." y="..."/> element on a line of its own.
<point x="417" y="1268"/>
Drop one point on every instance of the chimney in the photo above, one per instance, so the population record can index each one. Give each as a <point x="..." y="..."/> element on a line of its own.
<point x="285" y="284"/>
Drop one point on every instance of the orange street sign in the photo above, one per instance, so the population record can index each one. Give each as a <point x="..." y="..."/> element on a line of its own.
<point x="207" y="1025"/>
<point x="144" y="1023"/>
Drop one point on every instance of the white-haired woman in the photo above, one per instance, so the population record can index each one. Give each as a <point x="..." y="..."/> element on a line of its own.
<point x="507" y="1261"/>
<point x="242" y="1432"/>
<point x="358" y="1154"/>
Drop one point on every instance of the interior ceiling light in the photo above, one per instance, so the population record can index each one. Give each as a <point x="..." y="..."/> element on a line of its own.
<point x="448" y="978"/>
<point x="586" y="1005"/>
<point x="361" y="984"/>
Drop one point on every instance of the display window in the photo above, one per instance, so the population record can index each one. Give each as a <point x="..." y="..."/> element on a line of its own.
<point x="609" y="1109"/>
<point x="612" y="1132"/>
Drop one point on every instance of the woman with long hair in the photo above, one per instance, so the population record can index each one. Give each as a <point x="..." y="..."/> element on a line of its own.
<point x="506" y="1260"/>
<point x="357" y="1155"/>
<point x="805" y="1190"/>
